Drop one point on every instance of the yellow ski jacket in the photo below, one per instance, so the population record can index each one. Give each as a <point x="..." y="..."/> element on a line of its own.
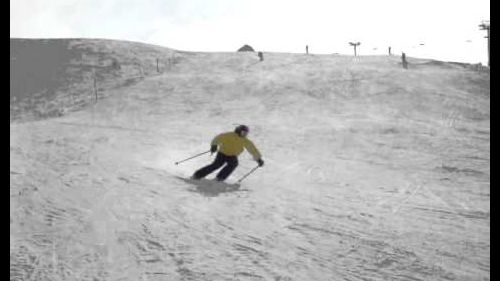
<point x="231" y="144"/>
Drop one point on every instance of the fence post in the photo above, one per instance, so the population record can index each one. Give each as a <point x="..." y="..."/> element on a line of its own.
<point x="157" y="67"/>
<point x="95" y="85"/>
<point x="405" y="63"/>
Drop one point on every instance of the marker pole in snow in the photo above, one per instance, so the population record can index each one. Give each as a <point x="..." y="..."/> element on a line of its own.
<point x="253" y="170"/>
<point x="177" y="163"/>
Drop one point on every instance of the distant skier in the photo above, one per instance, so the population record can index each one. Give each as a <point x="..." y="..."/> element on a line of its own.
<point x="230" y="145"/>
<point x="404" y="61"/>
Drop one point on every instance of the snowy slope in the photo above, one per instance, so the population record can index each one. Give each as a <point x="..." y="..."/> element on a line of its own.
<point x="51" y="77"/>
<point x="372" y="173"/>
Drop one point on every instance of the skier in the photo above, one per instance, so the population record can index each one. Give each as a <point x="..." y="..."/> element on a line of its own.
<point x="230" y="145"/>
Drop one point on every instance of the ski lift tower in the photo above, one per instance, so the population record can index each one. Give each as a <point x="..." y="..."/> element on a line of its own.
<point x="485" y="25"/>
<point x="355" y="45"/>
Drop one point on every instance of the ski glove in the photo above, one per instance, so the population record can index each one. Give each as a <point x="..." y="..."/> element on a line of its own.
<point x="213" y="149"/>
<point x="261" y="162"/>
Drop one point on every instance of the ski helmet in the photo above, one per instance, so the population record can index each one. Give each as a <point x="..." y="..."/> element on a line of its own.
<point x="241" y="128"/>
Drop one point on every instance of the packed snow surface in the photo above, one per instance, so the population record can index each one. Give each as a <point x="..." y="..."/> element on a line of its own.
<point x="372" y="172"/>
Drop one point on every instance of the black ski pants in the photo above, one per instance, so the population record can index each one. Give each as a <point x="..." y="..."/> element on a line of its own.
<point x="220" y="160"/>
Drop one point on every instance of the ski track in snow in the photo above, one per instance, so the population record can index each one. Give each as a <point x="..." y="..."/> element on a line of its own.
<point x="94" y="195"/>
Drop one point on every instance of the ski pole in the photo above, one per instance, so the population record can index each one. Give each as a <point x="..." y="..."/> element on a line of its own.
<point x="253" y="170"/>
<point x="177" y="163"/>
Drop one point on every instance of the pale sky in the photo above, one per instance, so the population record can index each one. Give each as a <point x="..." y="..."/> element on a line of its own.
<point x="444" y="26"/>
